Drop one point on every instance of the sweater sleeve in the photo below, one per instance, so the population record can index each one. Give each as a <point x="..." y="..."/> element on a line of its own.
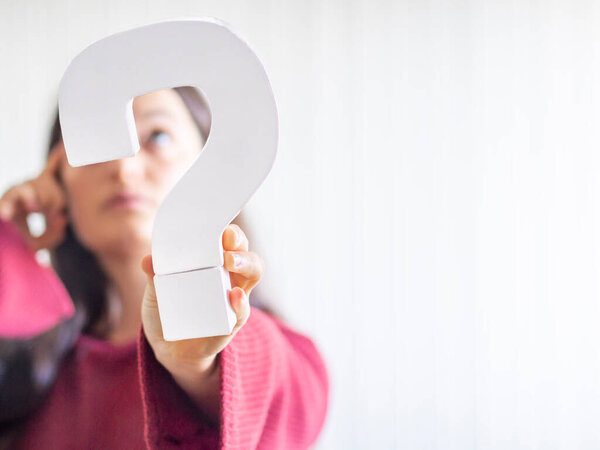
<point x="32" y="298"/>
<point x="37" y="326"/>
<point x="274" y="393"/>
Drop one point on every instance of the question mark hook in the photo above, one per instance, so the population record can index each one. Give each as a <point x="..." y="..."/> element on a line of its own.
<point x="97" y="90"/>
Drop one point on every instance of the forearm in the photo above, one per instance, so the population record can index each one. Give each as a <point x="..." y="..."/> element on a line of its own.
<point x="268" y="388"/>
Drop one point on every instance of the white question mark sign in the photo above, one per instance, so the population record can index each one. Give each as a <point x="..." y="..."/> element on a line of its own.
<point x="95" y="105"/>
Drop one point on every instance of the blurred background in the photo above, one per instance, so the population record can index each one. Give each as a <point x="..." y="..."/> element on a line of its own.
<point x="432" y="220"/>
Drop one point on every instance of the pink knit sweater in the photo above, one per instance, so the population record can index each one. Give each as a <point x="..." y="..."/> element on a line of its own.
<point x="274" y="384"/>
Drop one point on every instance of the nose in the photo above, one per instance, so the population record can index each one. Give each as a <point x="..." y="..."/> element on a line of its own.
<point x="127" y="169"/>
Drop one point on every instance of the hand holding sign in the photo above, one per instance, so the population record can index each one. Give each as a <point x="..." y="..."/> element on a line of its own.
<point x="95" y="104"/>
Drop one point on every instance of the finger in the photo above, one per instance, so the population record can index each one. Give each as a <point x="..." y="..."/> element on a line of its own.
<point x="234" y="238"/>
<point x="150" y="315"/>
<point x="25" y="196"/>
<point x="147" y="266"/>
<point x="20" y="221"/>
<point x="6" y="208"/>
<point x="241" y="306"/>
<point x="248" y="264"/>
<point x="19" y="201"/>
<point x="55" y="160"/>
<point x="7" y="204"/>
<point x="51" y="196"/>
<point x="54" y="234"/>
<point x="29" y="198"/>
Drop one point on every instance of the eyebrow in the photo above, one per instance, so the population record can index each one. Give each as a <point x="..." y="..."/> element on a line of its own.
<point x="157" y="112"/>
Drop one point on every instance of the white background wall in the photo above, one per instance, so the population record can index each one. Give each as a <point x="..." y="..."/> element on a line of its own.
<point x="433" y="218"/>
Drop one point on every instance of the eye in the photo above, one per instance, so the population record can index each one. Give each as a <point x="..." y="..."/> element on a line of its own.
<point x="158" y="138"/>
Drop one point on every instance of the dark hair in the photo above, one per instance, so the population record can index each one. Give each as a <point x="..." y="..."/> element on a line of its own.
<point x="77" y="267"/>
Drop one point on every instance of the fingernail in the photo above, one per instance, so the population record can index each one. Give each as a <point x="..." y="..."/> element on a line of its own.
<point x="32" y="204"/>
<point x="237" y="260"/>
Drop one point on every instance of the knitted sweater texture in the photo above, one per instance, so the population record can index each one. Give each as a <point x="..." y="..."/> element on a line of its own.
<point x="274" y="383"/>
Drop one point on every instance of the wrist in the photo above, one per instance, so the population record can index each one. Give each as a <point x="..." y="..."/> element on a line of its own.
<point x="196" y="370"/>
<point x="201" y="382"/>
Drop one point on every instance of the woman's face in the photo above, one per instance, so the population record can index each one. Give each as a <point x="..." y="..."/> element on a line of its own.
<point x="112" y="204"/>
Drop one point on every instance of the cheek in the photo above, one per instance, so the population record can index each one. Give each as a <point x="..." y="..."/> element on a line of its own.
<point x="165" y="175"/>
<point x="83" y="199"/>
<point x="74" y="192"/>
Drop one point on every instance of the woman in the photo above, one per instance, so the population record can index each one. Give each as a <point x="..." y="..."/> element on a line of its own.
<point x="122" y="385"/>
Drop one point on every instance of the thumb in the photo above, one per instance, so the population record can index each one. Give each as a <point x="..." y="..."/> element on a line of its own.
<point x="147" y="266"/>
<point x="150" y="315"/>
